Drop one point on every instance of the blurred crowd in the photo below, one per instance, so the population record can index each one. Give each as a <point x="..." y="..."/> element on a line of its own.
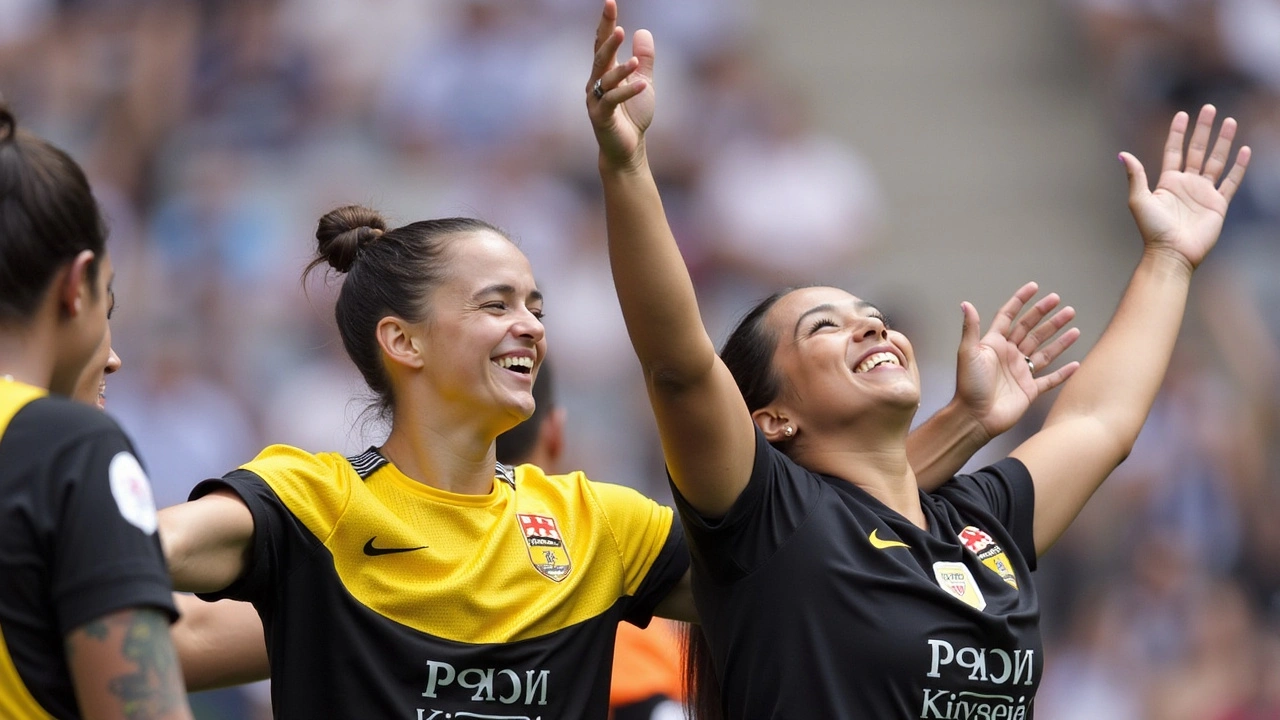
<point x="216" y="132"/>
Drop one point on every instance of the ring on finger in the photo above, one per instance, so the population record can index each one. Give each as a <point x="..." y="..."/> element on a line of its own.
<point x="597" y="90"/>
<point x="1030" y="364"/>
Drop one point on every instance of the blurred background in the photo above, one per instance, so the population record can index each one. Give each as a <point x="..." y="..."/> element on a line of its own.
<point x="918" y="153"/>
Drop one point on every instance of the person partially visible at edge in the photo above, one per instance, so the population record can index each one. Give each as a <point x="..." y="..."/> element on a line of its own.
<point x="529" y="573"/>
<point x="828" y="583"/>
<point x="85" y="601"/>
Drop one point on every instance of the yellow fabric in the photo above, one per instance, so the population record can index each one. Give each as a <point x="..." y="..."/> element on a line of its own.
<point x="475" y="580"/>
<point x="16" y="701"/>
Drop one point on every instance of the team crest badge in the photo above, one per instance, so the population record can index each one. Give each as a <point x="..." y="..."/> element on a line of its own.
<point x="990" y="553"/>
<point x="546" y="547"/>
<point x="956" y="579"/>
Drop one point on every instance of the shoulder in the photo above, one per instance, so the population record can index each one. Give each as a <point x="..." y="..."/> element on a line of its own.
<point x="61" y="419"/>
<point x="289" y="461"/>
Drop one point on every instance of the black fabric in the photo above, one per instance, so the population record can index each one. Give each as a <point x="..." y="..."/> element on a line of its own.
<point x="806" y="618"/>
<point x="67" y="554"/>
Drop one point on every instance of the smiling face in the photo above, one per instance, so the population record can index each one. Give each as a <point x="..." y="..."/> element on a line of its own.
<point x="839" y="360"/>
<point x="483" y="338"/>
<point x="92" y="386"/>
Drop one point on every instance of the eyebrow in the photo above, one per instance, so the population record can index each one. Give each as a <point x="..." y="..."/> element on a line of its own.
<point x="827" y="308"/>
<point x="504" y="289"/>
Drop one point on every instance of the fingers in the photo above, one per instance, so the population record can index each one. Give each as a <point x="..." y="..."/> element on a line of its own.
<point x="1172" y="161"/>
<point x="1043" y="357"/>
<point x="1049" y="381"/>
<point x="1200" y="139"/>
<point x="1043" y="332"/>
<point x="1232" y="182"/>
<point x="1221" y="150"/>
<point x="1004" y="318"/>
<point x="969" y="328"/>
<point x="606" y="55"/>
<point x="608" y="20"/>
<point x="643" y="48"/>
<point x="1032" y="317"/>
<point x="1138" y="187"/>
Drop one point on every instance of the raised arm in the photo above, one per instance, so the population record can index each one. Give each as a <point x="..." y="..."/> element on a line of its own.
<point x="707" y="433"/>
<point x="1096" y="418"/>
<point x="206" y="542"/>
<point x="996" y="382"/>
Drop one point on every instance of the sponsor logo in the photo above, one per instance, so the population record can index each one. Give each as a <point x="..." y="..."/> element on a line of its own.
<point x="546" y="547"/>
<point x="989" y="552"/>
<point x="132" y="492"/>
<point x="372" y="551"/>
<point x="500" y="685"/>
<point x="956" y="579"/>
<point x="879" y="544"/>
<point x="1002" y="668"/>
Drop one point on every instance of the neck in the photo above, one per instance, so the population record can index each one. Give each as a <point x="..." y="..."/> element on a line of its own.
<point x="26" y="355"/>
<point x="451" y="457"/>
<point x="874" y="461"/>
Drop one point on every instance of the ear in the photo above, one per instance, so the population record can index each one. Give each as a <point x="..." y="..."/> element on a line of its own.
<point x="74" y="289"/>
<point x="400" y="343"/>
<point x="774" y="423"/>
<point x="551" y="438"/>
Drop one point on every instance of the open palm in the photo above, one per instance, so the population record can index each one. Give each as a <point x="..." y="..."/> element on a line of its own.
<point x="1186" y="211"/>
<point x="622" y="114"/>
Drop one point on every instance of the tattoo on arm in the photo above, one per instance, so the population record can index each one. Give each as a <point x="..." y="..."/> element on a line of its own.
<point x="141" y="673"/>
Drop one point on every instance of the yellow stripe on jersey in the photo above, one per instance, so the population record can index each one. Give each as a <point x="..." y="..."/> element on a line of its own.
<point x="15" y="699"/>
<point x="462" y="567"/>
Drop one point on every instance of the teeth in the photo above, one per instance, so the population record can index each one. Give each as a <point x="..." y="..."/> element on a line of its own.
<point x="875" y="360"/>
<point x="512" y="361"/>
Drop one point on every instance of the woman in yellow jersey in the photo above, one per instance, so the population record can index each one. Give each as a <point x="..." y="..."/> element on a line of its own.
<point x="421" y="579"/>
<point x="84" y="596"/>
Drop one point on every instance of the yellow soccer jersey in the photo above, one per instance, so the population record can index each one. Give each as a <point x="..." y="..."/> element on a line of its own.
<point x="385" y="598"/>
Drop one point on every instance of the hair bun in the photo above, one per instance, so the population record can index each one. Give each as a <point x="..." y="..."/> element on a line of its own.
<point x="344" y="232"/>
<point x="8" y="126"/>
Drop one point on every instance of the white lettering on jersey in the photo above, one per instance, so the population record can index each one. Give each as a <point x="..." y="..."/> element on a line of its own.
<point x="489" y="684"/>
<point x="132" y="492"/>
<point x="988" y="665"/>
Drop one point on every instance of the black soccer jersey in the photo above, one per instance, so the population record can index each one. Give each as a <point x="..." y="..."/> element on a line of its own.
<point x="386" y="598"/>
<point x="819" y="601"/>
<point x="77" y="541"/>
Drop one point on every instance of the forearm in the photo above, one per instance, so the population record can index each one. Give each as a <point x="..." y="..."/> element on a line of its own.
<point x="654" y="289"/>
<point x="219" y="643"/>
<point x="943" y="444"/>
<point x="1118" y="380"/>
<point x="123" y="666"/>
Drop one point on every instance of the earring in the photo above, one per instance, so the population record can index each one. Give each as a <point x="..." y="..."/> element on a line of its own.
<point x="788" y="431"/>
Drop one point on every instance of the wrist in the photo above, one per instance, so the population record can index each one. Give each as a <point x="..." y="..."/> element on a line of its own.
<point x="635" y="164"/>
<point x="967" y="422"/>
<point x="1168" y="261"/>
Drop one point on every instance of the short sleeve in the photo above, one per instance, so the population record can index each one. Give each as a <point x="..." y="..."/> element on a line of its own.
<point x="106" y="553"/>
<point x="777" y="500"/>
<point x="650" y="543"/>
<point x="1004" y="490"/>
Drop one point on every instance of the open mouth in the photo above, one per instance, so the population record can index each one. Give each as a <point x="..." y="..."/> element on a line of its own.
<point x="876" y="360"/>
<point x="521" y="365"/>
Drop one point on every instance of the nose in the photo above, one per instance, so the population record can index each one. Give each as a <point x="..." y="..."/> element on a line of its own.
<point x="529" y="326"/>
<point x="875" y="329"/>
<point x="113" y="362"/>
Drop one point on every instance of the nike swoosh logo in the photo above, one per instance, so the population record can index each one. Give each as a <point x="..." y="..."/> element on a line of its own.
<point x="879" y="544"/>
<point x="372" y="551"/>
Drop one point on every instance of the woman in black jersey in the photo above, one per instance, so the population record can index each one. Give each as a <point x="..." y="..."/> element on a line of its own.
<point x="84" y="596"/>
<point x="828" y="584"/>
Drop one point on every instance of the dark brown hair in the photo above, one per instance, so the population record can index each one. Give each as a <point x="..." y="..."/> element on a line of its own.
<point x="47" y="217"/>
<point x="388" y="273"/>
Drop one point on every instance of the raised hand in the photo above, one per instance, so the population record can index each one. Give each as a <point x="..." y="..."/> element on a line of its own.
<point x="1185" y="213"/>
<point x="996" y="375"/>
<point x="620" y="98"/>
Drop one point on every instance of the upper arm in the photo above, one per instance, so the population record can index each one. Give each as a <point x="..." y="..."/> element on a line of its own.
<point x="219" y="643"/>
<point x="207" y="541"/>
<point x="123" y="666"/>
<point x="708" y="438"/>
<point x="1068" y="461"/>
